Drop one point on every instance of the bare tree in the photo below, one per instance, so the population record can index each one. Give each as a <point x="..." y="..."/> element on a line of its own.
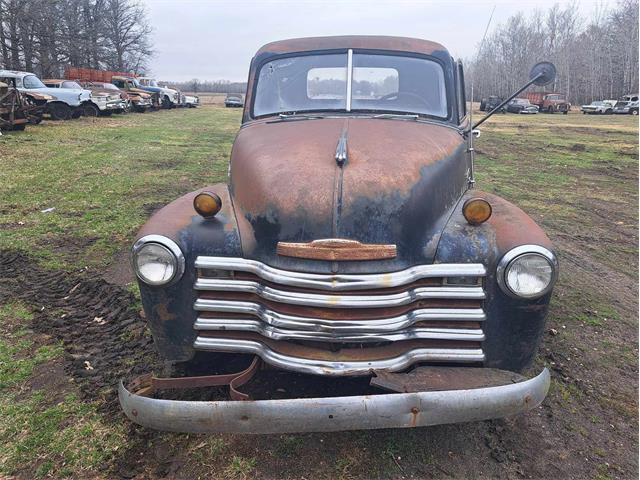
<point x="45" y="36"/>
<point x="127" y="35"/>
<point x="596" y="58"/>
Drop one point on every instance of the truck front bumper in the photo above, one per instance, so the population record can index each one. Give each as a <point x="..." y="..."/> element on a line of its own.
<point x="393" y="410"/>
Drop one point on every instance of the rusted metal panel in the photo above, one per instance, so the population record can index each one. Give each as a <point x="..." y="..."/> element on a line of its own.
<point x="398" y="410"/>
<point x="336" y="250"/>
<point x="433" y="379"/>
<point x="369" y="42"/>
<point x="285" y="190"/>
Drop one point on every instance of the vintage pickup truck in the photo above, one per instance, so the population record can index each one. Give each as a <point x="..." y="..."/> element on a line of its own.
<point x="349" y="265"/>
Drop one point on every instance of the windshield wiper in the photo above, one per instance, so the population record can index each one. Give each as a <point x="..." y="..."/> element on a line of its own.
<point x="299" y="116"/>
<point x="408" y="116"/>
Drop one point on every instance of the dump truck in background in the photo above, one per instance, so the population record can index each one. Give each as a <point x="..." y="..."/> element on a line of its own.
<point x="549" y="102"/>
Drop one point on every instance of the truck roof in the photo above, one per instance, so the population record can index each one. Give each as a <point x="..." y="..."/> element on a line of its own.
<point x="372" y="42"/>
<point x="14" y="73"/>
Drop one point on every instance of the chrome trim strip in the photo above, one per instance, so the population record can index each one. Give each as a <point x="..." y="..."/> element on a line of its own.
<point x="390" y="324"/>
<point x="341" y="301"/>
<point x="341" y="282"/>
<point x="349" y="78"/>
<point x="331" y="368"/>
<point x="361" y="412"/>
<point x="275" y="333"/>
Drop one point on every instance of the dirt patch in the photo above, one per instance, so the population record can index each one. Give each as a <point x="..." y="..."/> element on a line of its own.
<point x="119" y="271"/>
<point x="104" y="338"/>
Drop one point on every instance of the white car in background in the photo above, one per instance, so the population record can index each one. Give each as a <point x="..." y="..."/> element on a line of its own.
<point x="191" y="101"/>
<point x="604" y="107"/>
<point x="66" y="102"/>
<point x="100" y="101"/>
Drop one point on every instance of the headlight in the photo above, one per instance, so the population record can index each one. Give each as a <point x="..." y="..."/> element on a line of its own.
<point x="528" y="271"/>
<point x="157" y="260"/>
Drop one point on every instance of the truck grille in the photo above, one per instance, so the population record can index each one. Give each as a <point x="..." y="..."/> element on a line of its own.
<point x="339" y="324"/>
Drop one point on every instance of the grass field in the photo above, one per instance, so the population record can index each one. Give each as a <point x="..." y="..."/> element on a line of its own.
<point x="576" y="175"/>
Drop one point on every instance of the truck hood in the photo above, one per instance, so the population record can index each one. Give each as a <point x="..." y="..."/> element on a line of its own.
<point x="398" y="185"/>
<point x="70" y="96"/>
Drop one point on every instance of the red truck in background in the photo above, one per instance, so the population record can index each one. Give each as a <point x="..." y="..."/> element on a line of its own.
<point x="549" y="102"/>
<point x="92" y="75"/>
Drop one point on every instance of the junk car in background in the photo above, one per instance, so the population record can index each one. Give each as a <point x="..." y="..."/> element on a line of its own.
<point x="521" y="105"/>
<point x="349" y="255"/>
<point x="191" y="101"/>
<point x="117" y="101"/>
<point x="140" y="98"/>
<point x="488" y="104"/>
<point x="169" y="97"/>
<point x="59" y="103"/>
<point x="603" y="107"/>
<point x="233" y="100"/>
<point x="628" y="104"/>
<point x="16" y="106"/>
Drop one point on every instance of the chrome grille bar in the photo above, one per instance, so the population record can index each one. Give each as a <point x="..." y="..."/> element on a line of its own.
<point x="333" y="368"/>
<point x="275" y="333"/>
<point x="341" y="282"/>
<point x="341" y="301"/>
<point x="389" y="324"/>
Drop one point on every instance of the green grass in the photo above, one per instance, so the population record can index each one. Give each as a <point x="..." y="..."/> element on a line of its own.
<point x="575" y="175"/>
<point x="100" y="174"/>
<point x="40" y="437"/>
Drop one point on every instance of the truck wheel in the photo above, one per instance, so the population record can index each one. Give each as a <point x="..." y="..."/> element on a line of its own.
<point x="59" y="111"/>
<point x="551" y="109"/>
<point x="634" y="111"/>
<point x="166" y="103"/>
<point x="77" y="113"/>
<point x="608" y="111"/>
<point x="90" y="110"/>
<point x="565" y="112"/>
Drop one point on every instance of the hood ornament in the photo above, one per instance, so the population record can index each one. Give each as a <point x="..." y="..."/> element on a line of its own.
<point x="341" y="149"/>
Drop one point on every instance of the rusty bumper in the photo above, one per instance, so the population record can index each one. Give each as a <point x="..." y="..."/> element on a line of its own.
<point x="393" y="410"/>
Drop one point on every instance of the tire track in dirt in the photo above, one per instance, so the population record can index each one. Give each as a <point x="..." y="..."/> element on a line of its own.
<point x="104" y="338"/>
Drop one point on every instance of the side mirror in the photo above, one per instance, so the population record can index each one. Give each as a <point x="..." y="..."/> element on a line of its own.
<point x="542" y="73"/>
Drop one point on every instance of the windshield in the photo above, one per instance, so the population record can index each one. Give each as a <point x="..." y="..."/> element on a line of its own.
<point x="70" y="85"/>
<point x="31" y="81"/>
<point x="387" y="83"/>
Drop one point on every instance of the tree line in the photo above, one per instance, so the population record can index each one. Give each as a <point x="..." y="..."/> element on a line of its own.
<point x="596" y="58"/>
<point x="45" y="36"/>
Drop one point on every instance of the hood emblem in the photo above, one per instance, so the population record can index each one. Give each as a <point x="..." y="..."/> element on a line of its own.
<point x="341" y="149"/>
<point x="337" y="249"/>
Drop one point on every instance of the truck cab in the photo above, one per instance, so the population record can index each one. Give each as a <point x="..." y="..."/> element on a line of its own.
<point x="349" y="248"/>
<point x="169" y="97"/>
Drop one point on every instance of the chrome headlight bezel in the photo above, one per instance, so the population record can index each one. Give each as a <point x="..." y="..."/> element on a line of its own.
<point x="167" y="243"/>
<point x="516" y="253"/>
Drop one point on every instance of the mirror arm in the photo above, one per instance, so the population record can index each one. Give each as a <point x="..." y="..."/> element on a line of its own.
<point x="486" y="117"/>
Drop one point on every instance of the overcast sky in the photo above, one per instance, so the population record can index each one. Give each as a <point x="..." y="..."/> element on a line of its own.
<point x="212" y="40"/>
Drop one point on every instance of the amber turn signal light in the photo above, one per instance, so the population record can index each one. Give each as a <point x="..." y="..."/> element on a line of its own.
<point x="476" y="210"/>
<point x="207" y="204"/>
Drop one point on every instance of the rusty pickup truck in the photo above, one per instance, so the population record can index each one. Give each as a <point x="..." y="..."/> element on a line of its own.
<point x="348" y="275"/>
